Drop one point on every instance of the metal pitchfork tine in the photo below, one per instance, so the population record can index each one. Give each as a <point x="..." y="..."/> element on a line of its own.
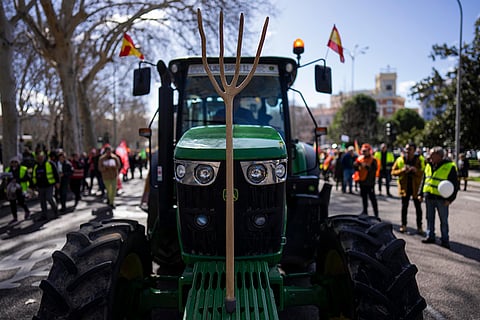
<point x="230" y="90"/>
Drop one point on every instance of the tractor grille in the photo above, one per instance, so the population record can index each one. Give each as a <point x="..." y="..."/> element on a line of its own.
<point x="253" y="201"/>
<point x="254" y="295"/>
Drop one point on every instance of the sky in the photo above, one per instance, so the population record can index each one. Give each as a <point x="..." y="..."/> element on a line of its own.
<point x="399" y="35"/>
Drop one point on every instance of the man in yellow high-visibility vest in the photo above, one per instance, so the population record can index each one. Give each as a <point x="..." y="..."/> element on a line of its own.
<point x="386" y="160"/>
<point x="437" y="170"/>
<point x="45" y="177"/>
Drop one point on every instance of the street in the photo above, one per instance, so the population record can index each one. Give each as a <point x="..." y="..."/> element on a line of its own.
<point x="449" y="280"/>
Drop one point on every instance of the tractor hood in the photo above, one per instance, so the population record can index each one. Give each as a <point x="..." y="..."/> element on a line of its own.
<point x="249" y="143"/>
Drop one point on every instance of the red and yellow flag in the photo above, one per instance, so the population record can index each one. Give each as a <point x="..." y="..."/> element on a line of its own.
<point x="128" y="48"/>
<point x="335" y="43"/>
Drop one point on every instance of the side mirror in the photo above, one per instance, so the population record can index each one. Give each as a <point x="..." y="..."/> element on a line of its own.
<point x="141" y="81"/>
<point x="323" y="79"/>
<point x="145" y="132"/>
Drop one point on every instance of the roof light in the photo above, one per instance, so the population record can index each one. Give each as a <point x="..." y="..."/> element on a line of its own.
<point x="298" y="46"/>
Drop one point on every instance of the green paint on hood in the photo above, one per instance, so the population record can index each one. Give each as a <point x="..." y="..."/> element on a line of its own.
<point x="249" y="143"/>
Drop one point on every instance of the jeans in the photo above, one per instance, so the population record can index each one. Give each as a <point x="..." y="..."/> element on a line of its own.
<point x="45" y="194"/>
<point x="347" y="179"/>
<point x="438" y="204"/>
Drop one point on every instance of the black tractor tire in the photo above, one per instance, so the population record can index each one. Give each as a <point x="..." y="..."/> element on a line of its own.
<point x="373" y="277"/>
<point x="94" y="275"/>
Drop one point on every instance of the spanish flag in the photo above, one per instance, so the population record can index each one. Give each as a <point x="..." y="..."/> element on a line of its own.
<point x="128" y="48"/>
<point x="335" y="43"/>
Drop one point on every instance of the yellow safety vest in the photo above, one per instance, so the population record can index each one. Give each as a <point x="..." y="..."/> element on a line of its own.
<point x="49" y="171"/>
<point x="390" y="157"/>
<point x="23" y="172"/>
<point x="432" y="179"/>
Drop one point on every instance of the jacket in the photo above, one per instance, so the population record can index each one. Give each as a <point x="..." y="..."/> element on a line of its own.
<point x="108" y="168"/>
<point x="404" y="177"/>
<point x="368" y="173"/>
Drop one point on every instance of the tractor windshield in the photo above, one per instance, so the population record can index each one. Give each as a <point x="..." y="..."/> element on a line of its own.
<point x="260" y="103"/>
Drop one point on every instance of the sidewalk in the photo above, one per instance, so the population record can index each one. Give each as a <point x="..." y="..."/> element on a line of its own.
<point x="34" y="204"/>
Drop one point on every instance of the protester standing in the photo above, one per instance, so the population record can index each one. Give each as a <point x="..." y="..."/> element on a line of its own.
<point x="65" y="171"/>
<point x="109" y="165"/>
<point x="463" y="168"/>
<point x="368" y="169"/>
<point x="45" y="178"/>
<point x="438" y="169"/>
<point x="347" y="163"/>
<point x="77" y="178"/>
<point x="16" y="186"/>
<point x="409" y="170"/>
<point x="338" y="171"/>
<point x="386" y="160"/>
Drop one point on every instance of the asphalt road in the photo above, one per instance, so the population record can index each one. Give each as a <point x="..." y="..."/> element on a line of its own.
<point x="448" y="279"/>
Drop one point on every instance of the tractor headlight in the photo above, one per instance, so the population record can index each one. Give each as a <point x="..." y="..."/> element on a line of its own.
<point x="196" y="172"/>
<point x="204" y="173"/>
<point x="259" y="220"/>
<point x="180" y="171"/>
<point x="280" y="170"/>
<point x="256" y="173"/>
<point x="201" y="221"/>
<point x="265" y="172"/>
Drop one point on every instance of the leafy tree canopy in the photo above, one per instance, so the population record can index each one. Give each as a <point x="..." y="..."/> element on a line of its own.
<point x="439" y="90"/>
<point x="357" y="119"/>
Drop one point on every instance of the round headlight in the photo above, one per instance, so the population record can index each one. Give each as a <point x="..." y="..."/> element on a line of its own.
<point x="256" y="173"/>
<point x="204" y="173"/>
<point x="280" y="170"/>
<point x="180" y="171"/>
<point x="201" y="220"/>
<point x="259" y="220"/>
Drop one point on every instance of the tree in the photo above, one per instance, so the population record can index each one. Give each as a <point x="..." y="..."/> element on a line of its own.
<point x="439" y="91"/>
<point x="79" y="38"/>
<point x="358" y="119"/>
<point x="408" y="126"/>
<point x="8" y="82"/>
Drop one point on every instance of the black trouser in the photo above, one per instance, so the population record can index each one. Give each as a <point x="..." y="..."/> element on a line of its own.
<point x="63" y="192"/>
<point x="75" y="186"/>
<point x="384" y="174"/>
<point x="21" y="202"/>
<point x="368" y="192"/>
<point x="418" y="208"/>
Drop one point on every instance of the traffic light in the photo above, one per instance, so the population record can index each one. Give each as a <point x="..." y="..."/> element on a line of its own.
<point x="388" y="129"/>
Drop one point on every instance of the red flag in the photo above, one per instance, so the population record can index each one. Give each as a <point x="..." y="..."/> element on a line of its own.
<point x="128" y="48"/>
<point x="335" y="43"/>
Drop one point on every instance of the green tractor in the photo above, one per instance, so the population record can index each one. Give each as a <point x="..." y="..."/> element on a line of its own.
<point x="288" y="251"/>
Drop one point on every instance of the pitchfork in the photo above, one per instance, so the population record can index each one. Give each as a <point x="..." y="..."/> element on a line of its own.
<point x="228" y="93"/>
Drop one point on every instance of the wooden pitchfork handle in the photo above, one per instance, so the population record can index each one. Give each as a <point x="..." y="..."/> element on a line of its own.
<point x="228" y="93"/>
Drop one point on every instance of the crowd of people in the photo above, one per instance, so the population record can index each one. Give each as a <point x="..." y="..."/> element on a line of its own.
<point x="53" y="177"/>
<point x="421" y="176"/>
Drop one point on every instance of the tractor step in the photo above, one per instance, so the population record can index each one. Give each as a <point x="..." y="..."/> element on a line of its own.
<point x="253" y="293"/>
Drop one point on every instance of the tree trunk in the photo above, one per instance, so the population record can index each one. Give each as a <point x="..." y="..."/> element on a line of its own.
<point x="71" y="140"/>
<point x="7" y="90"/>
<point x="89" y="139"/>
